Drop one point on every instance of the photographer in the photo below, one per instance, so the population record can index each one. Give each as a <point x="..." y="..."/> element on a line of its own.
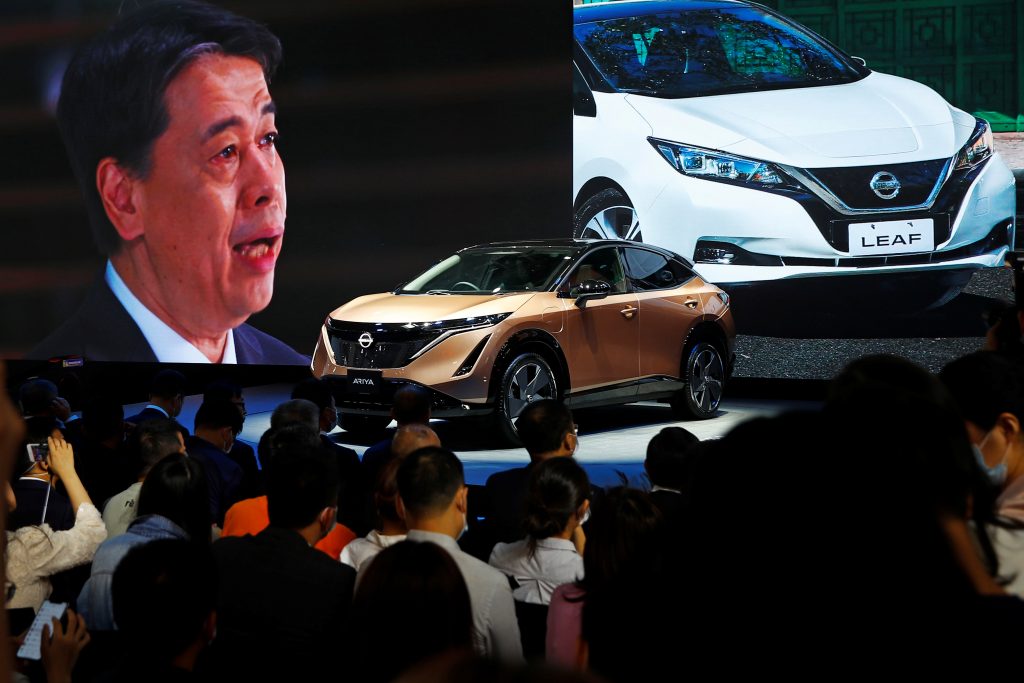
<point x="35" y="553"/>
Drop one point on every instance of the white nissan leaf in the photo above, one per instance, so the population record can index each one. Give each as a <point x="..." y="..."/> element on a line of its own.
<point x="754" y="147"/>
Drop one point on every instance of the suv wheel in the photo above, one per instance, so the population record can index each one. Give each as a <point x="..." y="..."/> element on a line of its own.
<point x="607" y="215"/>
<point x="704" y="376"/>
<point x="527" y="378"/>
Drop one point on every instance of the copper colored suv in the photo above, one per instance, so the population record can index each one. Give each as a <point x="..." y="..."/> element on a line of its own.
<point x="495" y="326"/>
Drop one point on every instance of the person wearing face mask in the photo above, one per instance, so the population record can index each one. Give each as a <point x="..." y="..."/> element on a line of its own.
<point x="552" y="552"/>
<point x="283" y="604"/>
<point x="216" y="424"/>
<point x="989" y="391"/>
<point x="432" y="499"/>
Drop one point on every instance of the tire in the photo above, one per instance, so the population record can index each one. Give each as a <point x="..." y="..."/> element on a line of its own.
<point x="704" y="377"/>
<point x="363" y="425"/>
<point x="607" y="215"/>
<point x="527" y="378"/>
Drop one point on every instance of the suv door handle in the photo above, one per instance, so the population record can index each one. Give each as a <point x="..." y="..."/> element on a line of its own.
<point x="628" y="311"/>
<point x="691" y="303"/>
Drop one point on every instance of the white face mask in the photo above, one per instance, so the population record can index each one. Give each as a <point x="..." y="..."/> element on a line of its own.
<point x="997" y="474"/>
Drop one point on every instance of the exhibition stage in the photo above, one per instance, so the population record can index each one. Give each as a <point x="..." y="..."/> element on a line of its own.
<point x="613" y="440"/>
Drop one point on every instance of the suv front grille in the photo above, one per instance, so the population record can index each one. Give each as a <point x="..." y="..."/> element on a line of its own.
<point x="919" y="182"/>
<point x="392" y="345"/>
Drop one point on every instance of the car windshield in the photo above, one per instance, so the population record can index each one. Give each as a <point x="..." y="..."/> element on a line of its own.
<point x="699" y="52"/>
<point x="494" y="271"/>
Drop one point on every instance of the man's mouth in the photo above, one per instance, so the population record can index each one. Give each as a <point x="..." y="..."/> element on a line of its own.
<point x="260" y="254"/>
<point x="257" y="248"/>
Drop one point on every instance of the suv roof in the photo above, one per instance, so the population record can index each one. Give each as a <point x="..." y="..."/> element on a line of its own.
<point x="571" y="242"/>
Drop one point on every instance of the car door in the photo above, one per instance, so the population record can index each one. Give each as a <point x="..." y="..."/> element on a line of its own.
<point x="602" y="334"/>
<point x="670" y="302"/>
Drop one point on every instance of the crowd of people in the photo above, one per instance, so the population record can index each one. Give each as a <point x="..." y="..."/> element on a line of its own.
<point x="182" y="552"/>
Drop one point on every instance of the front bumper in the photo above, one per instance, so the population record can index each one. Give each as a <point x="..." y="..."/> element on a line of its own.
<point x="798" y="235"/>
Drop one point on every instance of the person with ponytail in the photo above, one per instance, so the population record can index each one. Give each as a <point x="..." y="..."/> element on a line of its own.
<point x="557" y="504"/>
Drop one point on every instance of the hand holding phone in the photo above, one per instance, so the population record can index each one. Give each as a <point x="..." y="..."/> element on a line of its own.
<point x="61" y="646"/>
<point x="30" y="648"/>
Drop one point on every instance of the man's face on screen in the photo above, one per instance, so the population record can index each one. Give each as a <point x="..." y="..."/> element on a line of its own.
<point x="213" y="204"/>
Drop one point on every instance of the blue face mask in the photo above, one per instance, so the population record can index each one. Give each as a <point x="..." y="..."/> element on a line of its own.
<point x="997" y="474"/>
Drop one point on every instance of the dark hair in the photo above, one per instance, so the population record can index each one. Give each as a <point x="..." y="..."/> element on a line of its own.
<point x="163" y="592"/>
<point x="557" y="489"/>
<point x="301" y="481"/>
<point x="414" y="593"/>
<point x="176" y="488"/>
<point x="985" y="385"/>
<point x="36" y="396"/>
<point x="897" y="410"/>
<point x="622" y="538"/>
<point x="297" y="410"/>
<point x="223" y="390"/>
<point x="289" y="436"/>
<point x="315" y="390"/>
<point x="152" y="441"/>
<point x="410" y="405"/>
<point x="542" y="426"/>
<point x="103" y="417"/>
<point x="667" y="457"/>
<point x="167" y="384"/>
<point x="218" y="414"/>
<point x="428" y="480"/>
<point x="385" y="493"/>
<point x="112" y="97"/>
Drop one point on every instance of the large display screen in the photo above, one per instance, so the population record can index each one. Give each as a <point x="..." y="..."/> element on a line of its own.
<point x="845" y="211"/>
<point x="389" y="137"/>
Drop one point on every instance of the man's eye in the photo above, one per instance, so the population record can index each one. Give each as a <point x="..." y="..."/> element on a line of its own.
<point x="227" y="152"/>
<point x="270" y="139"/>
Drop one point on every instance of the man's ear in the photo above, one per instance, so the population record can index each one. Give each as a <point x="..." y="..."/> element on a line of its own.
<point x="1010" y="425"/>
<point x="462" y="499"/>
<point x="117" y="190"/>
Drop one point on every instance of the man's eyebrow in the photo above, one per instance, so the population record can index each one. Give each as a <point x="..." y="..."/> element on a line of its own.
<point x="224" y="124"/>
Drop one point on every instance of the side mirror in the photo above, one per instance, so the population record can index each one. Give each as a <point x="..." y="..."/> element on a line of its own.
<point x="590" y="290"/>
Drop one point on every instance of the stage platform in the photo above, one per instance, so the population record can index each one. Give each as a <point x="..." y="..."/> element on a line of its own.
<point x="613" y="440"/>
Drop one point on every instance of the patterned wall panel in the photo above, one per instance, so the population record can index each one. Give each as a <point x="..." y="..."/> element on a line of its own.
<point x="971" y="51"/>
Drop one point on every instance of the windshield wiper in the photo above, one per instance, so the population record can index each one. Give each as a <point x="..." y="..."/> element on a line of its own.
<point x="437" y="291"/>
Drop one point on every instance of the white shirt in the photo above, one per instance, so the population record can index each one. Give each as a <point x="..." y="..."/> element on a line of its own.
<point x="362" y="549"/>
<point x="168" y="345"/>
<point x="120" y="511"/>
<point x="495" y="629"/>
<point x="554" y="562"/>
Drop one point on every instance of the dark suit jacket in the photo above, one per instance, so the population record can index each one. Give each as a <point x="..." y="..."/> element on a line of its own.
<point x="352" y="489"/>
<point x="102" y="330"/>
<point x="30" y="495"/>
<point x="281" y="603"/>
<point x="223" y="476"/>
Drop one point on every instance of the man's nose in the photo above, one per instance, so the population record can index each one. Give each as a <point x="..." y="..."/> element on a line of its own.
<point x="264" y="179"/>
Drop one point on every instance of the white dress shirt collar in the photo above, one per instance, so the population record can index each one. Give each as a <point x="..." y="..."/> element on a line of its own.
<point x="168" y="345"/>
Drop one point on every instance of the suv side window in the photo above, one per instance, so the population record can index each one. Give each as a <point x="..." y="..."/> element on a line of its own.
<point x="648" y="270"/>
<point x="602" y="265"/>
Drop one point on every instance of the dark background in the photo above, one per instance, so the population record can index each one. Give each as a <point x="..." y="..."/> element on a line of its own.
<point x="409" y="129"/>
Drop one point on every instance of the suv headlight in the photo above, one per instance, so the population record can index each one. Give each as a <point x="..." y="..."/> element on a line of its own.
<point x="977" y="149"/>
<point x="460" y="324"/>
<point x="709" y="164"/>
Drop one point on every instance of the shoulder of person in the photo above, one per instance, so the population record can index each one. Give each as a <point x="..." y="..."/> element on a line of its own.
<point x="253" y="346"/>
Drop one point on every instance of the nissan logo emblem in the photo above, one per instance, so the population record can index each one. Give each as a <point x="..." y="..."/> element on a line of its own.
<point x="365" y="340"/>
<point x="885" y="185"/>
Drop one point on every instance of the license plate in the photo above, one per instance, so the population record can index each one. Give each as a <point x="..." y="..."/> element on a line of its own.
<point x="892" y="237"/>
<point x="364" y="381"/>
